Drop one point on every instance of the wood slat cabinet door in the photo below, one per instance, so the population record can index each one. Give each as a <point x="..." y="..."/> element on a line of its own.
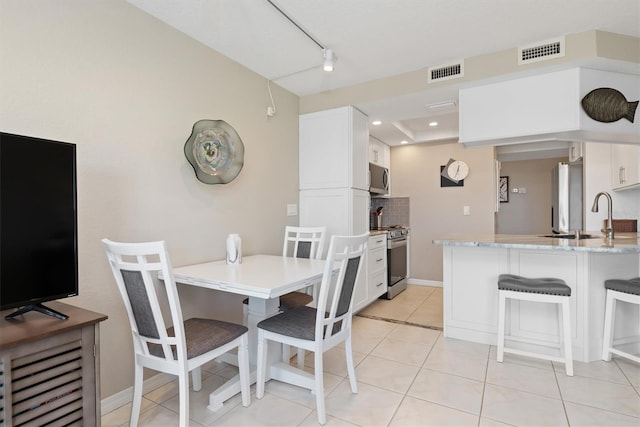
<point x="50" y="370"/>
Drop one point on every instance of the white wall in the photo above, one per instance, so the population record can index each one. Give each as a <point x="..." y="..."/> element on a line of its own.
<point x="435" y="211"/>
<point x="528" y="213"/>
<point x="127" y="90"/>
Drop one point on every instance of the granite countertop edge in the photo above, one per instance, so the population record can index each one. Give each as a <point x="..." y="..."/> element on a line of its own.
<point x="624" y="243"/>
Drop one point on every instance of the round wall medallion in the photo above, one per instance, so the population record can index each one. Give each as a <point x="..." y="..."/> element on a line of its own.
<point x="215" y="151"/>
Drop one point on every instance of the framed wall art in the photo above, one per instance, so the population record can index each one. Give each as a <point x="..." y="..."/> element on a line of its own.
<point x="503" y="189"/>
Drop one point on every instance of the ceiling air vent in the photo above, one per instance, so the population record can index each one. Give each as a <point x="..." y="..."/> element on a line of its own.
<point x="445" y="72"/>
<point x="541" y="51"/>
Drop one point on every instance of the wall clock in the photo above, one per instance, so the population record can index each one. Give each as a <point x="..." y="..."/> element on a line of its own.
<point x="458" y="170"/>
<point x="453" y="173"/>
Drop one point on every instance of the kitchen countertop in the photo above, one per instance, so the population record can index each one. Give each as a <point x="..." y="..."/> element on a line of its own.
<point x="622" y="242"/>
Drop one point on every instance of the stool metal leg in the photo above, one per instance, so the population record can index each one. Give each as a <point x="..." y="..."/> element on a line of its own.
<point x="608" y="327"/>
<point x="501" y="320"/>
<point x="566" y="337"/>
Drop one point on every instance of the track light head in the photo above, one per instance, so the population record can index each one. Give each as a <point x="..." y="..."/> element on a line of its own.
<point x="329" y="60"/>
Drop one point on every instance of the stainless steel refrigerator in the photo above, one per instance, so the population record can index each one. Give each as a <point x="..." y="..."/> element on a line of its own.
<point x="567" y="201"/>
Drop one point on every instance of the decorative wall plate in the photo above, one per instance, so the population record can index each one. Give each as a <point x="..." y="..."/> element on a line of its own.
<point x="215" y="151"/>
<point x="608" y="105"/>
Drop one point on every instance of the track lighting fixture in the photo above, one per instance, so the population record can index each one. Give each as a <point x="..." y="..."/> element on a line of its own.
<point x="329" y="60"/>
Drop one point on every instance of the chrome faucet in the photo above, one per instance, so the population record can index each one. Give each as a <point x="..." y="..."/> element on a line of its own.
<point x="608" y="229"/>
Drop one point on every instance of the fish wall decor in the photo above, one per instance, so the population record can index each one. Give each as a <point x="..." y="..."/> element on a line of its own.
<point x="608" y="105"/>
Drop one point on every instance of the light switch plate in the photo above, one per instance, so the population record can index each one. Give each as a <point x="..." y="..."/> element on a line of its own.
<point x="292" y="210"/>
<point x="466" y="210"/>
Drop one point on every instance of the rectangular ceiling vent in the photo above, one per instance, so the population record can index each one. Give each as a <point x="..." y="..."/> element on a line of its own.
<point x="541" y="51"/>
<point x="445" y="72"/>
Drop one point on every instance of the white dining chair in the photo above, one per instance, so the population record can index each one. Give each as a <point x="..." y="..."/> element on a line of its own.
<point x="301" y="242"/>
<point x="322" y="328"/>
<point x="178" y="349"/>
<point x="298" y="242"/>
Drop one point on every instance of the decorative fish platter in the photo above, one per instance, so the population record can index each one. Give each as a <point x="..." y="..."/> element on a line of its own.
<point x="608" y="105"/>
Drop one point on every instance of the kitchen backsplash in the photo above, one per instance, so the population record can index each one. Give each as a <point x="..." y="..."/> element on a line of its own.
<point x="395" y="211"/>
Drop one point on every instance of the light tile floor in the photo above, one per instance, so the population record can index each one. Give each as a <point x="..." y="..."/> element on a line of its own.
<point x="413" y="376"/>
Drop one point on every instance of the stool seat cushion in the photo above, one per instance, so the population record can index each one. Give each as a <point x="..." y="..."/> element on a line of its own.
<point x="630" y="286"/>
<point x="545" y="285"/>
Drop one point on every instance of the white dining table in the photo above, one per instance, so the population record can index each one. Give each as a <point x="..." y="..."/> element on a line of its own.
<point x="262" y="278"/>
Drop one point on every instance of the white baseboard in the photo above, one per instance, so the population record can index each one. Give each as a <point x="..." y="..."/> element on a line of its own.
<point x="421" y="282"/>
<point x="125" y="396"/>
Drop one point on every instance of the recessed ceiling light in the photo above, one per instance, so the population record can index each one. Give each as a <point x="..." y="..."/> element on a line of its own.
<point x="404" y="142"/>
<point x="376" y="122"/>
<point x="433" y="123"/>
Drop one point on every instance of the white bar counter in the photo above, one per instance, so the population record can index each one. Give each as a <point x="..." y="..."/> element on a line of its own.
<point x="472" y="264"/>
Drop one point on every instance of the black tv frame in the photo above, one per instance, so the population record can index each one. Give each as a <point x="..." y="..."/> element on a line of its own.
<point x="70" y="235"/>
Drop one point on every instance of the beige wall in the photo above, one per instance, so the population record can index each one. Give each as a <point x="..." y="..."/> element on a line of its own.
<point x="528" y="213"/>
<point x="127" y="90"/>
<point x="583" y="47"/>
<point x="438" y="211"/>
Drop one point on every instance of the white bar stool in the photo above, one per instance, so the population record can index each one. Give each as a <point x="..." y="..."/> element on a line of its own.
<point x="618" y="290"/>
<point x="548" y="290"/>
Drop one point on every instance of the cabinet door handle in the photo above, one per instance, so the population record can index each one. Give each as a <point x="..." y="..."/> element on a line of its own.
<point x="380" y="259"/>
<point x="380" y="284"/>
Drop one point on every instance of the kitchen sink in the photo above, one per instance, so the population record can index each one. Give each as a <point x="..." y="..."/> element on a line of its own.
<point x="571" y="236"/>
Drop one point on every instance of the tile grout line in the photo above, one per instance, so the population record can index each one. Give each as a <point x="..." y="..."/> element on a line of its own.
<point x="399" y="322"/>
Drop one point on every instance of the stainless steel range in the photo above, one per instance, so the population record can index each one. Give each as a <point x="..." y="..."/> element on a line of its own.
<point x="396" y="261"/>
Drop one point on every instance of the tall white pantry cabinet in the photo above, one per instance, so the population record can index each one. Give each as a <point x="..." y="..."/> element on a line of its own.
<point x="334" y="171"/>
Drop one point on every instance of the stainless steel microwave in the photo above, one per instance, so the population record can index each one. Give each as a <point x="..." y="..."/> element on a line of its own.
<point x="378" y="179"/>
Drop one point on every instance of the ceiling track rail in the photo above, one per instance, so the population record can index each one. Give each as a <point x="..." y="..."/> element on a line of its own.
<point x="296" y="24"/>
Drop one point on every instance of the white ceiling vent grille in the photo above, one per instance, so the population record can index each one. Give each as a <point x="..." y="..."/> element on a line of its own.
<point x="445" y="72"/>
<point x="541" y="51"/>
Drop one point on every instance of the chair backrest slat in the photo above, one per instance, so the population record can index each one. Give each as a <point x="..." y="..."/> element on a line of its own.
<point x="135" y="267"/>
<point x="304" y="242"/>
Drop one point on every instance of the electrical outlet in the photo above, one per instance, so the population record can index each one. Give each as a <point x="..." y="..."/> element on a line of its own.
<point x="466" y="210"/>
<point x="292" y="210"/>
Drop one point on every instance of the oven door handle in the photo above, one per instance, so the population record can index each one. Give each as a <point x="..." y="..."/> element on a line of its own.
<point x="392" y="244"/>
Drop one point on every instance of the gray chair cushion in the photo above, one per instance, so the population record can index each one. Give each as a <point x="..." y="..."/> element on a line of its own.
<point x="290" y="300"/>
<point x="299" y="322"/>
<point x="140" y="305"/>
<point x="545" y="285"/>
<point x="631" y="286"/>
<point x="293" y="300"/>
<point x="203" y="335"/>
<point x="304" y="250"/>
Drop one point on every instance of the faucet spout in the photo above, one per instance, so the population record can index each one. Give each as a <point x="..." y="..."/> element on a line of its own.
<point x="608" y="229"/>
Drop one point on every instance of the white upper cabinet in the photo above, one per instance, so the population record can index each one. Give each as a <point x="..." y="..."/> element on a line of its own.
<point x="625" y="165"/>
<point x="379" y="153"/>
<point x="545" y="107"/>
<point x="334" y="148"/>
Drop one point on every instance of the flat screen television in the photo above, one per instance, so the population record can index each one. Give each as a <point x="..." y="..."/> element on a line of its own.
<point x="38" y="223"/>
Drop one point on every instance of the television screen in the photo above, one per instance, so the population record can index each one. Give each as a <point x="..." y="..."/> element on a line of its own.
<point x="38" y="222"/>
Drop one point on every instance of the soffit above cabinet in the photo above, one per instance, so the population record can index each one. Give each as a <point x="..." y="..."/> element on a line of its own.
<point x="545" y="107"/>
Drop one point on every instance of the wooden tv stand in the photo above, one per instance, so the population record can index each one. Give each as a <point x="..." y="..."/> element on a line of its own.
<point x="50" y="368"/>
